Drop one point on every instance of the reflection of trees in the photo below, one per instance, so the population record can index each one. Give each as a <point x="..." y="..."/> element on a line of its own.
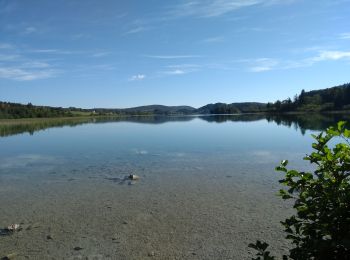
<point x="310" y="121"/>
<point x="13" y="127"/>
<point x="233" y="118"/>
<point x="30" y="126"/>
<point x="303" y="122"/>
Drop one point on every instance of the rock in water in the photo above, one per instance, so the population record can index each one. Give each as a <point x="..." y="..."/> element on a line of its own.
<point x="13" y="227"/>
<point x="133" y="177"/>
<point x="9" y="256"/>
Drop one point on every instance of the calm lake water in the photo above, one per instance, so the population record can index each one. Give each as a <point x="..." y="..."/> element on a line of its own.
<point x="207" y="186"/>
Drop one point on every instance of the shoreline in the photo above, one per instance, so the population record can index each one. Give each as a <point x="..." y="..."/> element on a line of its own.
<point x="40" y="119"/>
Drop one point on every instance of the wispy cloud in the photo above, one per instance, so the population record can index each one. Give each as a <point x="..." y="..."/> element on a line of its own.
<point x="268" y="64"/>
<point x="344" y="36"/>
<point x="264" y="64"/>
<point x="19" y="74"/>
<point x="7" y="6"/>
<point x="185" y="66"/>
<point x="137" y="77"/>
<point x="136" y="30"/>
<point x="213" y="39"/>
<point x="55" y="51"/>
<point x="80" y="36"/>
<point x="179" y="69"/>
<point x="23" y="64"/>
<point x="215" y="8"/>
<point x="6" y="46"/>
<point x="175" y="72"/>
<point x="332" y="55"/>
<point x="30" y="30"/>
<point x="137" y="26"/>
<point x="172" y="56"/>
<point x="100" y="54"/>
<point x="35" y="65"/>
<point x="8" y="57"/>
<point x="23" y="67"/>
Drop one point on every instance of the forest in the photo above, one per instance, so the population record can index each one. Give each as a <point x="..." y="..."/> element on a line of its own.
<point x="330" y="99"/>
<point x="324" y="100"/>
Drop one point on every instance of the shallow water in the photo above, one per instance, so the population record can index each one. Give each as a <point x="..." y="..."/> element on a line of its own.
<point x="207" y="186"/>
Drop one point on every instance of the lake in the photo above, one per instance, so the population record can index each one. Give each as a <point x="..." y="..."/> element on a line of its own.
<point x="207" y="185"/>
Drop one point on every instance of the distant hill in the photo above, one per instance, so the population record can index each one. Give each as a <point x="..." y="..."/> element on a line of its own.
<point x="234" y="108"/>
<point x="330" y="99"/>
<point x="15" y="110"/>
<point x="160" y="110"/>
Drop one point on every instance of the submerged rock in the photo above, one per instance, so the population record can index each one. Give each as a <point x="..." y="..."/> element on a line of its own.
<point x="134" y="177"/>
<point x="9" y="256"/>
<point x="13" y="227"/>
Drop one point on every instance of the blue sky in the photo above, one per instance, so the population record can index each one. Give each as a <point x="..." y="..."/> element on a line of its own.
<point x="92" y="53"/>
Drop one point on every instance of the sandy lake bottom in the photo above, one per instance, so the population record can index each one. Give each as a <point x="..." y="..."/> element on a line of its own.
<point x="200" y="212"/>
<point x="205" y="190"/>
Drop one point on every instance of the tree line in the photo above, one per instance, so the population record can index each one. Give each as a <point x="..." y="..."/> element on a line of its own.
<point x="330" y="99"/>
<point x="15" y="110"/>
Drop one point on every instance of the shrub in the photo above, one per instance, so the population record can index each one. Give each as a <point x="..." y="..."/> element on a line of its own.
<point x="320" y="229"/>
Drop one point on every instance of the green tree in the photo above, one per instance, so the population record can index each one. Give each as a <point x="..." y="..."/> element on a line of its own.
<point x="320" y="229"/>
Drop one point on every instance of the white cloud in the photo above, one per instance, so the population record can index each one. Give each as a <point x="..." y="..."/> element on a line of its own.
<point x="137" y="77"/>
<point x="264" y="64"/>
<point x="175" y="72"/>
<point x="79" y="36"/>
<point x="332" y="55"/>
<point x="30" y="29"/>
<point x="267" y="64"/>
<point x="23" y="68"/>
<point x="214" y="39"/>
<point x="137" y="26"/>
<point x="172" y="56"/>
<point x="50" y="51"/>
<point x="344" y="36"/>
<point x="136" y="30"/>
<point x="100" y="54"/>
<point x="8" y="57"/>
<point x="179" y="69"/>
<point x="6" y="46"/>
<point x="7" y="6"/>
<point x="45" y="51"/>
<point x="55" y="51"/>
<point x="20" y="74"/>
<point x="215" y="8"/>
<point x="184" y="66"/>
<point x="35" y="65"/>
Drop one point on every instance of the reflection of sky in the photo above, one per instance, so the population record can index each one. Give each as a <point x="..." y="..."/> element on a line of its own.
<point x="259" y="141"/>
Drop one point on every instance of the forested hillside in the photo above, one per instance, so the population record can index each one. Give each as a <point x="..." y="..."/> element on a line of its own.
<point x="14" y="110"/>
<point x="330" y="99"/>
<point x="234" y="108"/>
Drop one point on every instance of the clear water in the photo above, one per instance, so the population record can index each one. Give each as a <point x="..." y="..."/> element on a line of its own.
<point x="218" y="168"/>
<point x="141" y="142"/>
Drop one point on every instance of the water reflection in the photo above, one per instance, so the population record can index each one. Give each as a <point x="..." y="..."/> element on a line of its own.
<point x="300" y="122"/>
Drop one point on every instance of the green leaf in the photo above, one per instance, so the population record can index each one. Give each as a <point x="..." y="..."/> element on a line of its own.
<point x="346" y="133"/>
<point x="284" y="163"/>
<point x="341" y="125"/>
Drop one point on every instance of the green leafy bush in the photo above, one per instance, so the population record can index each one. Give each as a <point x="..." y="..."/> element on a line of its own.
<point x="320" y="229"/>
